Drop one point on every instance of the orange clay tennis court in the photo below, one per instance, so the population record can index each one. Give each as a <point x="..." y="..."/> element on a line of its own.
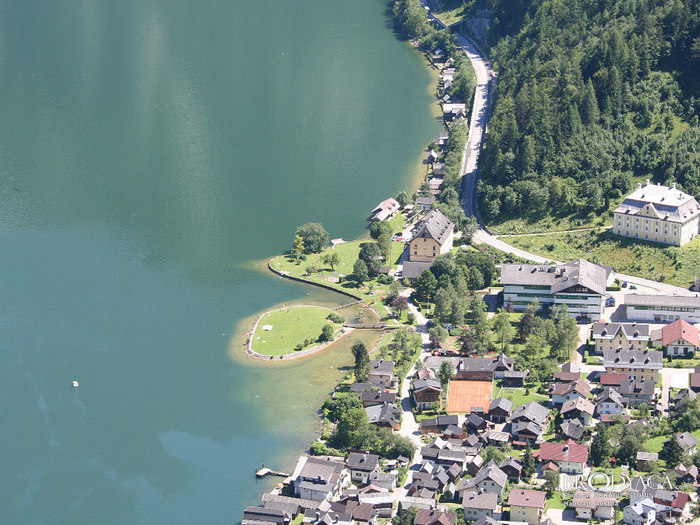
<point x="463" y="395"/>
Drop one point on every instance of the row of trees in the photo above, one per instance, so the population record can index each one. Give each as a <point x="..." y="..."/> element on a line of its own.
<point x="585" y="104"/>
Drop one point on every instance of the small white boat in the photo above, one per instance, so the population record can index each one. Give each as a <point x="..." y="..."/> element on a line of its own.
<point x="76" y="384"/>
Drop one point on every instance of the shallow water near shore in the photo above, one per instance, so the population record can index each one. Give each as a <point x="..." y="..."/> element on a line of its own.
<point x="151" y="152"/>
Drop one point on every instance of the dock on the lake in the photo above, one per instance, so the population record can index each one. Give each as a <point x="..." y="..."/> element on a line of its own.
<point x="264" y="471"/>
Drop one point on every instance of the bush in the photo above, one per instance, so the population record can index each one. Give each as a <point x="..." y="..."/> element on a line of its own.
<point x="385" y="279"/>
<point x="335" y="318"/>
<point x="410" y="318"/>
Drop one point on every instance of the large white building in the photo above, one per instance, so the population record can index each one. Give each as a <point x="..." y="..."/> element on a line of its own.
<point x="579" y="284"/>
<point x="662" y="308"/>
<point x="658" y="213"/>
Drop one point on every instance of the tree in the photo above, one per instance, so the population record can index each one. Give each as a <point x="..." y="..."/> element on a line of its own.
<point x="672" y="453"/>
<point x="404" y="516"/>
<point x="377" y="228"/>
<point x="445" y="373"/>
<point x="326" y="333"/>
<point x="425" y="286"/>
<point x="601" y="449"/>
<point x="468" y="342"/>
<point x="589" y="106"/>
<point x="529" y="464"/>
<point x="443" y="304"/>
<point x="551" y="482"/>
<point x="477" y="310"/>
<point x="336" y="409"/>
<point x="686" y="416"/>
<point x="402" y="198"/>
<point x="331" y="259"/>
<point x="297" y="248"/>
<point x="352" y="429"/>
<point x="437" y="334"/>
<point x="503" y="328"/>
<point x="314" y="236"/>
<point x="399" y="304"/>
<point x="469" y="227"/>
<point x="528" y="320"/>
<point x="372" y="256"/>
<point x="359" y="352"/>
<point x="565" y="332"/>
<point x="359" y="271"/>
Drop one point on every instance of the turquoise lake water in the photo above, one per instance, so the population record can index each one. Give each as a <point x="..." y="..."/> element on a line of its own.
<point x="150" y="153"/>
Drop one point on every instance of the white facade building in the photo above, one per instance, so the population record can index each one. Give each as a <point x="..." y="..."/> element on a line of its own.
<point x="662" y="308"/>
<point x="658" y="213"/>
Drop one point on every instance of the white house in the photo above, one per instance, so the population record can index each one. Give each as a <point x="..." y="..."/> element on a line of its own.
<point x="680" y="338"/>
<point x="642" y="512"/>
<point x="594" y="504"/>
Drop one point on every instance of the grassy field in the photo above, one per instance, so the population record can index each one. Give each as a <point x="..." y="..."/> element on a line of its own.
<point x="452" y="11"/>
<point x="657" y="443"/>
<point x="655" y="261"/>
<point x="519" y="397"/>
<point x="556" y="502"/>
<point x="290" y="327"/>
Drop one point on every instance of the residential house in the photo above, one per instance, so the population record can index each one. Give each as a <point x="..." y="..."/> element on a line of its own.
<point x="385" y="210"/>
<point x="512" y="468"/>
<point x="425" y="373"/>
<point x="433" y="156"/>
<point x="361" y="513"/>
<point x="454" y="111"/>
<point x="589" y="505"/>
<point x="444" y="135"/>
<point x="662" y="308"/>
<point x="529" y="421"/>
<point x="425" y="202"/>
<point x="578" y="284"/>
<point x="434" y="236"/>
<point x="635" y="363"/>
<point x="386" y="415"/>
<point x="478" y="504"/>
<point x="514" y="378"/>
<point x="485" y="520"/>
<point x="637" y="391"/>
<point x="361" y="466"/>
<point x="483" y="368"/>
<point x="495" y="438"/>
<point x="252" y="515"/>
<point x="571" y="457"/>
<point x="455" y="432"/>
<point x="683" y="395"/>
<point x="383" y="480"/>
<point x="500" y="410"/>
<point x="695" y="379"/>
<point x="609" y="401"/>
<point x="578" y="408"/>
<point x="569" y="372"/>
<point x="687" y="442"/>
<point x="426" y="392"/>
<point x="527" y="505"/>
<point x="489" y="479"/>
<point x="377" y="397"/>
<point x="658" y="213"/>
<point x="381" y="373"/>
<point x="437" y="425"/>
<point x="646" y="461"/>
<point x="619" y="336"/>
<point x="612" y="380"/>
<point x="434" y="517"/>
<point x="563" y="392"/>
<point x="474" y="424"/>
<point x="643" y="512"/>
<point x="573" y="428"/>
<point x="680" y="338"/>
<point x="318" y="479"/>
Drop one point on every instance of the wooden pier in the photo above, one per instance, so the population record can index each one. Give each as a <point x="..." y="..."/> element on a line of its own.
<point x="264" y="471"/>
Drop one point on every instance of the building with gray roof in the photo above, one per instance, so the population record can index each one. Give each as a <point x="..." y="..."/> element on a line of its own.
<point x="658" y="213"/>
<point x="579" y="284"/>
<point x="662" y="308"/>
<point x="433" y="237"/>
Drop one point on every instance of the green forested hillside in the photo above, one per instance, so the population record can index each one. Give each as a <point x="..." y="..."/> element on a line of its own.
<point x="592" y="96"/>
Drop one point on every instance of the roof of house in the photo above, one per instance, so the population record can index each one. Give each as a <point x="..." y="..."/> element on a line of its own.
<point x="474" y="420"/>
<point x="695" y="380"/>
<point x="570" y="451"/>
<point x="531" y="411"/>
<point x="412" y="269"/>
<point x="612" y="379"/>
<point x="378" y="397"/>
<point x="609" y="395"/>
<point x="485" y="520"/>
<point x="651" y="359"/>
<point x="501" y="403"/>
<point x="435" y="226"/>
<point x="440" y="421"/>
<point x="662" y="300"/>
<point x="642" y="507"/>
<point x="358" y="388"/>
<point x="580" y="386"/>
<point x="426" y="384"/>
<point x="665" y="202"/>
<point x="636" y="387"/>
<point x="362" y="461"/>
<point x="491" y="472"/>
<point x="559" y="278"/>
<point x="527" y="498"/>
<point x="566" y="376"/>
<point x="381" y="366"/>
<point x="426" y="373"/>
<point x="475" y="499"/>
<point x="580" y="404"/>
<point x="573" y="428"/>
<point x="305" y="504"/>
<point x="511" y="463"/>
<point x="425" y="200"/>
<point x="686" y="440"/>
<point x="434" y="517"/>
<point x="486" y="364"/>
<point x="680" y="330"/>
<point x="388" y="414"/>
<point x="647" y="456"/>
<point x="550" y="466"/>
<point x="632" y="331"/>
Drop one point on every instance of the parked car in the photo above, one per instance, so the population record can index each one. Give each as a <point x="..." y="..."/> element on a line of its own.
<point x="624" y="284"/>
<point x="610" y="301"/>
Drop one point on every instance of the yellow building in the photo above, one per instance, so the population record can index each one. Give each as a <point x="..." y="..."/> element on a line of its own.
<point x="637" y="364"/>
<point x="527" y="505"/>
<point x="658" y="213"/>
<point x="434" y="237"/>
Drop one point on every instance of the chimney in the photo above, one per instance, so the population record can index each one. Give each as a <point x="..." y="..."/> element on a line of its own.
<point x="639" y="185"/>
<point x="673" y="185"/>
<point x="648" y="180"/>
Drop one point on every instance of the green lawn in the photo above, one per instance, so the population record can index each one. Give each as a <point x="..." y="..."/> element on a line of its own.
<point x="680" y="362"/>
<point x="452" y="11"/>
<point x="657" y="443"/>
<point x="518" y="396"/>
<point x="646" y="259"/>
<point x="290" y="327"/>
<point x="556" y="502"/>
